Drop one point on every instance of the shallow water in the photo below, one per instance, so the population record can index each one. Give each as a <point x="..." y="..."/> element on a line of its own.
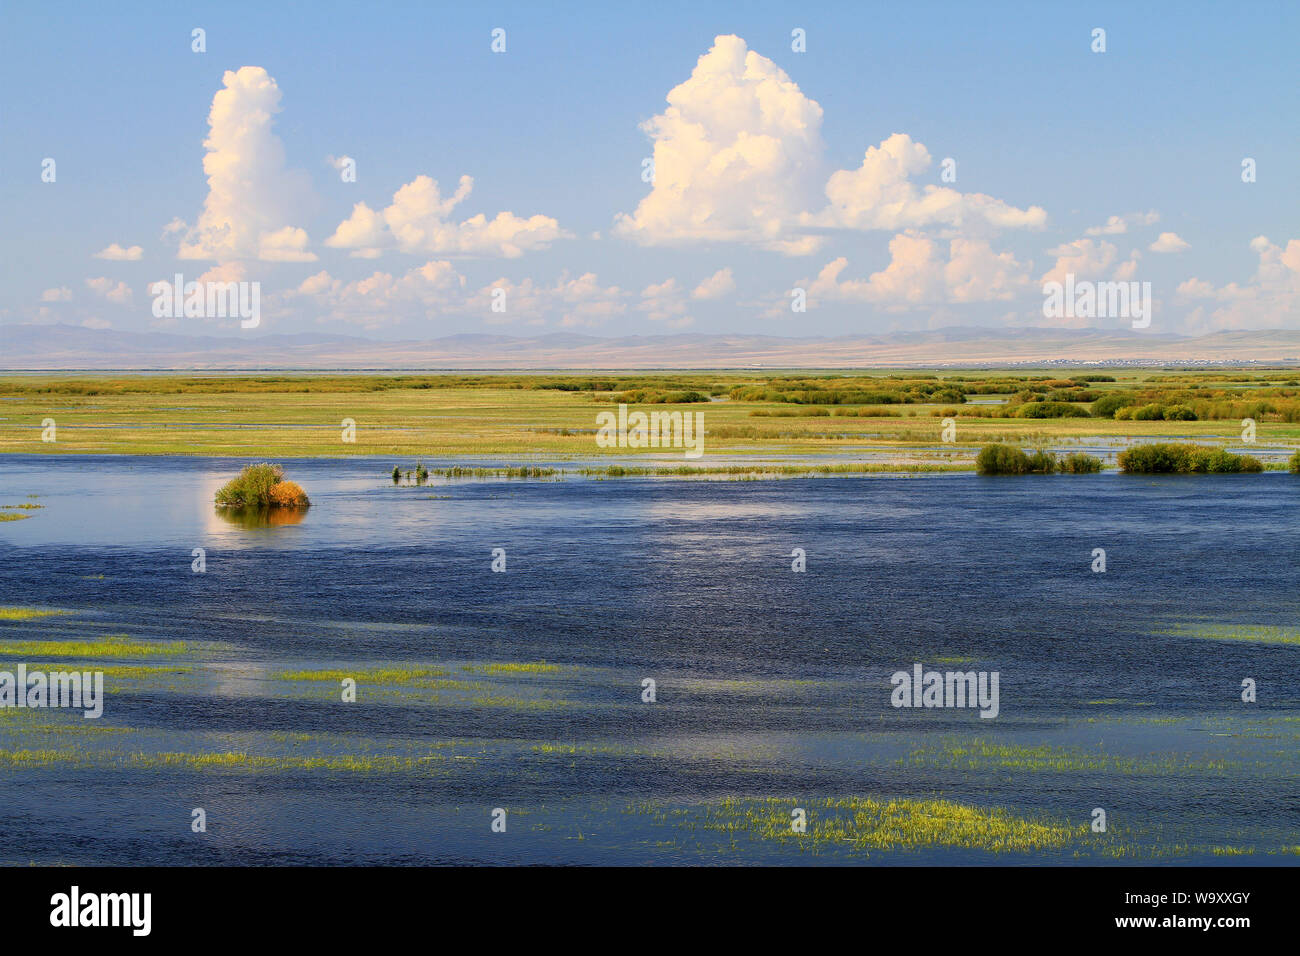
<point x="770" y="684"/>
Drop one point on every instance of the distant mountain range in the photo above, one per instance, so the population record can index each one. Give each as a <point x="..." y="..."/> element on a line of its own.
<point x="53" y="347"/>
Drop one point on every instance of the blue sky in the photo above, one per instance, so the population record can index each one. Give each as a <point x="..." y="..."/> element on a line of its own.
<point x="1050" y="140"/>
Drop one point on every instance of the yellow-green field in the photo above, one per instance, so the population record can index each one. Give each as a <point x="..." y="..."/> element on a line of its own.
<point x="553" y="417"/>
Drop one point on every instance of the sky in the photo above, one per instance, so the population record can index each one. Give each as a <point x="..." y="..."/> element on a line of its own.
<point x="831" y="169"/>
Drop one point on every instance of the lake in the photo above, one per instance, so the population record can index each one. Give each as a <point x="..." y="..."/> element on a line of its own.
<point x="477" y="690"/>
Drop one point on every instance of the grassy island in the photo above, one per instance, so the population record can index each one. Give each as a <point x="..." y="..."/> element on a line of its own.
<point x="260" y="487"/>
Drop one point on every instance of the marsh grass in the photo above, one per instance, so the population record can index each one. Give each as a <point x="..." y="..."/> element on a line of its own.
<point x="115" y="645"/>
<point x="1167" y="458"/>
<point x="1246" y="633"/>
<point x="219" y="761"/>
<point x="387" y="675"/>
<point x="1000" y="459"/>
<point x="499" y="416"/>
<point x="982" y="755"/>
<point x="512" y="667"/>
<point x="863" y="824"/>
<point x="27" y="613"/>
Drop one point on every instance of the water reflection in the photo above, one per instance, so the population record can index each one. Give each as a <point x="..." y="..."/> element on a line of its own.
<point x="254" y="518"/>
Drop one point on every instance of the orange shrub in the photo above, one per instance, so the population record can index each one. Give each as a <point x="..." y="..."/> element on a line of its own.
<point x="288" y="494"/>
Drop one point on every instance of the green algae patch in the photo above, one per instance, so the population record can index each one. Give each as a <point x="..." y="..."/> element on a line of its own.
<point x="509" y="667"/>
<point x="232" y="760"/>
<point x="983" y="755"/>
<point x="423" y="676"/>
<point x="225" y="760"/>
<point x="1247" y="633"/>
<point x="17" y="759"/>
<point x="115" y="645"/>
<point x="27" y="613"/>
<point x="138" y="671"/>
<point x="865" y="825"/>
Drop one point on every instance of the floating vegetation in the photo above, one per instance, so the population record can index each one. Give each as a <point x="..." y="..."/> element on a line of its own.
<point x="115" y="645"/>
<point x="27" y="613"/>
<point x="1248" y="633"/>
<point x="12" y="516"/>
<point x="862" y="824"/>
<point x="508" y="667"/>
<point x="982" y="755"/>
<point x="139" y="671"/>
<point x="388" y="675"/>
<point x="227" y="760"/>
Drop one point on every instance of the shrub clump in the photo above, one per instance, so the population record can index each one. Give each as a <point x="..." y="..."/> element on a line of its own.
<point x="1164" y="458"/>
<point x="1008" y="460"/>
<point x="1294" y="463"/>
<point x="1110" y="403"/>
<point x="1052" y="410"/>
<point x="261" y="486"/>
<point x="1001" y="460"/>
<point x="1078" y="463"/>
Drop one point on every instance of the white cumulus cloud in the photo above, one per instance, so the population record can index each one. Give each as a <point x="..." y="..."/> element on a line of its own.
<point x="715" y="286"/>
<point x="739" y="157"/>
<point x="116" y="292"/>
<point x="253" y="197"/>
<point x="1169" y="242"/>
<point x="1271" y="299"/>
<point x="419" y="221"/>
<point x="118" y="253"/>
<point x="919" y="274"/>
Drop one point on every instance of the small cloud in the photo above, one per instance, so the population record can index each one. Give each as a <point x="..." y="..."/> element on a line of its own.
<point x="117" y="253"/>
<point x="1118" y="225"/>
<point x="715" y="286"/>
<point x="116" y="292"/>
<point x="1169" y="242"/>
<point x="61" y="294"/>
<point x="285" y="245"/>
